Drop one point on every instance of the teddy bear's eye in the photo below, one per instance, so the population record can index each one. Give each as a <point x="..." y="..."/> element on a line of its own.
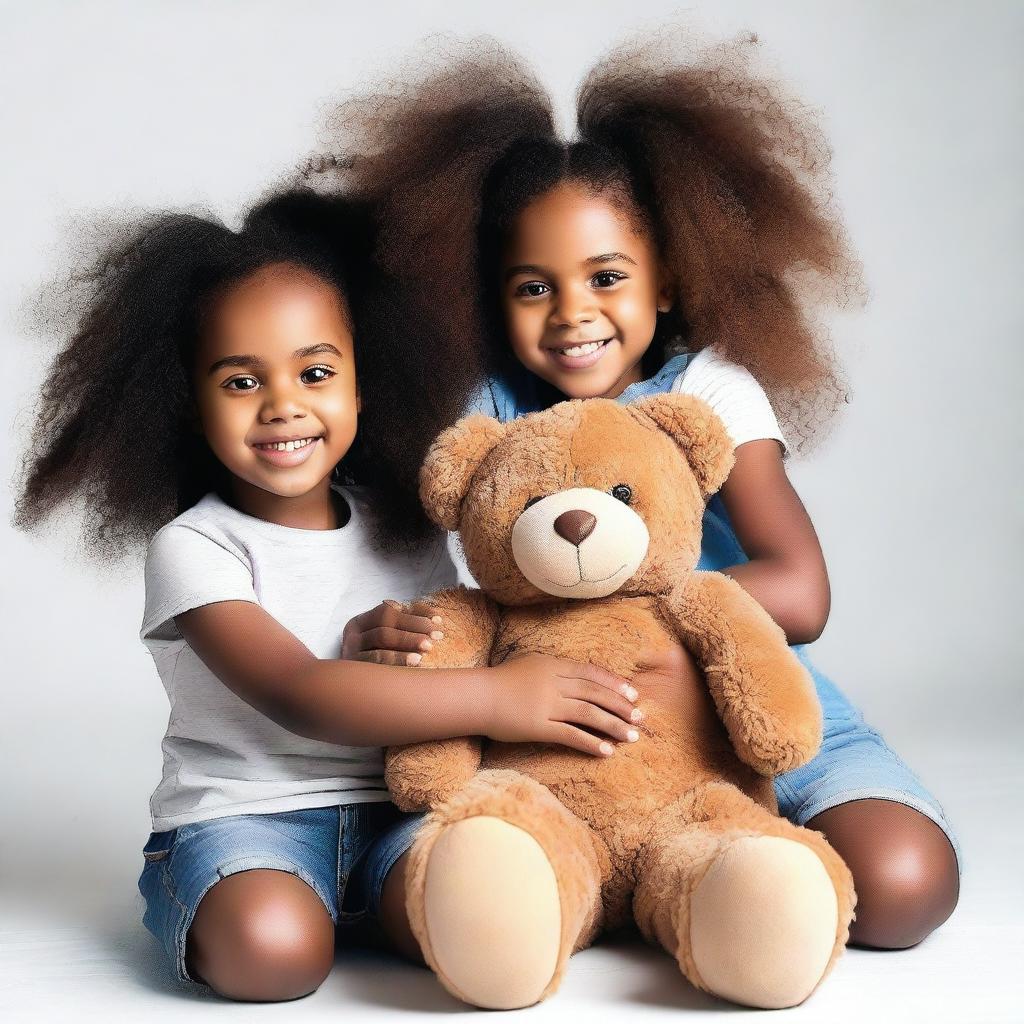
<point x="532" y="501"/>
<point x="623" y="493"/>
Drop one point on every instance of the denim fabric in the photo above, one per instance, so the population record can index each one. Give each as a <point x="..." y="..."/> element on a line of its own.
<point x="507" y="398"/>
<point x="342" y="853"/>
<point x="854" y="763"/>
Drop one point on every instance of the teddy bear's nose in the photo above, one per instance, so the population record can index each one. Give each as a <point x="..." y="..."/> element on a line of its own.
<point x="575" y="525"/>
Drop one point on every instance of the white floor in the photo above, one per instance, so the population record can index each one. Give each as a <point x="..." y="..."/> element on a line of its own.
<point x="78" y="951"/>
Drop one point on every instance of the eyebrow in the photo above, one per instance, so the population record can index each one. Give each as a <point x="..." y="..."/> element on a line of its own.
<point x="613" y="257"/>
<point x="607" y="257"/>
<point x="246" y="361"/>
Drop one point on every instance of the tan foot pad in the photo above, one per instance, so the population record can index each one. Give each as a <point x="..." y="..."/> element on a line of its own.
<point x="763" y="922"/>
<point x="492" y="913"/>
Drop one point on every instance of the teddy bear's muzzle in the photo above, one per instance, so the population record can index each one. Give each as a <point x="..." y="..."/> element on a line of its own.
<point x="579" y="543"/>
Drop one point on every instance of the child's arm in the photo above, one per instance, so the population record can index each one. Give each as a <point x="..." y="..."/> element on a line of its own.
<point x="532" y="699"/>
<point x="786" y="573"/>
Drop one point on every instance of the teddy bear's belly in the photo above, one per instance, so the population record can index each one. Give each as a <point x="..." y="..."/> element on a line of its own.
<point x="682" y="740"/>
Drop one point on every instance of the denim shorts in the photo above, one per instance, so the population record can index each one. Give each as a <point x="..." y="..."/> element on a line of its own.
<point x="854" y="763"/>
<point x="342" y="853"/>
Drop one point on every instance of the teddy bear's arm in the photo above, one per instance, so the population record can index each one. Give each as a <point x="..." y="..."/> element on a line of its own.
<point x="765" y="697"/>
<point x="421" y="775"/>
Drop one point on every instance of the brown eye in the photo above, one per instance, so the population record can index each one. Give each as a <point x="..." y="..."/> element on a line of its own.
<point x="623" y="493"/>
<point x="316" y="374"/>
<point x="532" y="289"/>
<point x="241" y="384"/>
<point x="532" y="501"/>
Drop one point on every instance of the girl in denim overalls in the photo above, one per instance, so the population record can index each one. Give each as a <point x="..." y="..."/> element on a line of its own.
<point x="684" y="242"/>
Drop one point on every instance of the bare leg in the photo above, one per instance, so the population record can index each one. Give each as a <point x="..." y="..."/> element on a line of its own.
<point x="394" y="918"/>
<point x="261" y="936"/>
<point x="753" y="908"/>
<point x="903" y="866"/>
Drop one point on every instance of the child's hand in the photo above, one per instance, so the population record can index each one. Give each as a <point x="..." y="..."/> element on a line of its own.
<point x="391" y="634"/>
<point x="541" y="699"/>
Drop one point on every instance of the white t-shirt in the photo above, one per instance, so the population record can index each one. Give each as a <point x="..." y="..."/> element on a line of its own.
<point x="221" y="756"/>
<point x="734" y="394"/>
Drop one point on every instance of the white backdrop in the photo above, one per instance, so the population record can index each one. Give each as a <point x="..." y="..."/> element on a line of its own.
<point x="917" y="498"/>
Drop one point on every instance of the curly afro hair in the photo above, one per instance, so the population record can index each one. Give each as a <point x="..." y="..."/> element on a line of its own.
<point x="726" y="170"/>
<point x="115" y="425"/>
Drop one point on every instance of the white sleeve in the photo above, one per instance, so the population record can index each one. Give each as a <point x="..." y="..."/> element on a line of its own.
<point x="734" y="394"/>
<point x="186" y="569"/>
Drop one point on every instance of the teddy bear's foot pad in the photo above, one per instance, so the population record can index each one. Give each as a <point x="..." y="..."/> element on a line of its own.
<point x="763" y="922"/>
<point x="492" y="913"/>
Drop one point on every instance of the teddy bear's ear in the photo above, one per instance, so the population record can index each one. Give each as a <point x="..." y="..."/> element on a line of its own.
<point x="700" y="434"/>
<point x="450" y="464"/>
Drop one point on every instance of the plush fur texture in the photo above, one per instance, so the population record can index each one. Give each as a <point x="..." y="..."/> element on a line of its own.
<point x="634" y="834"/>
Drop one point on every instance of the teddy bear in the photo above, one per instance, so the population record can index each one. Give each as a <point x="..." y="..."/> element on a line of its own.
<point x="583" y="549"/>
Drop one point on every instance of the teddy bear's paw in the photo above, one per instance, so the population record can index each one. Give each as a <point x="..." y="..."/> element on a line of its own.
<point x="492" y="914"/>
<point x="763" y="922"/>
<point x="786" y="748"/>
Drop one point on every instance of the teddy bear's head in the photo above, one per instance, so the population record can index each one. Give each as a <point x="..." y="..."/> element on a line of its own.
<point x="583" y="500"/>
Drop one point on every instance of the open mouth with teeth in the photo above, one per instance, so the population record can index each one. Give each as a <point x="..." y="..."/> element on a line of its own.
<point x="286" y="446"/>
<point x="287" y="454"/>
<point x="580" y="356"/>
<point x="586" y="349"/>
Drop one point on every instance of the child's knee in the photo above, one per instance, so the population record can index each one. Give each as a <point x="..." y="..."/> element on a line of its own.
<point x="904" y="870"/>
<point x="906" y="891"/>
<point x="264" y="938"/>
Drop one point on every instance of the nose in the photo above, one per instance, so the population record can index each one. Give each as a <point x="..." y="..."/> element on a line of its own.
<point x="575" y="526"/>
<point x="573" y="308"/>
<point x="282" y="403"/>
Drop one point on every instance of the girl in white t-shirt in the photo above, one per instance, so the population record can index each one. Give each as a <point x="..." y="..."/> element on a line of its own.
<point x="685" y="241"/>
<point x="211" y="380"/>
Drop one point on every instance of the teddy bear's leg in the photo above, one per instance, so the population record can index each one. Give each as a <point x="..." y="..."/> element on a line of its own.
<point x="755" y="909"/>
<point x="503" y="884"/>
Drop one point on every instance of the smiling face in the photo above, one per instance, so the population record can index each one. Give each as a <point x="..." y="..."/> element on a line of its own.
<point x="275" y="386"/>
<point x="581" y="291"/>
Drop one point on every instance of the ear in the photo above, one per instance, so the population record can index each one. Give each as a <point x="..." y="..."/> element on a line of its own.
<point x="700" y="434"/>
<point x="450" y="465"/>
<point x="666" y="296"/>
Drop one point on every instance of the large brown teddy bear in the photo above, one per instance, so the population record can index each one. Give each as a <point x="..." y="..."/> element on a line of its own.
<point x="582" y="526"/>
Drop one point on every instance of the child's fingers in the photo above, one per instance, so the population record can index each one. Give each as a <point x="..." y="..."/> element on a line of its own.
<point x="579" y="670"/>
<point x="417" y="624"/>
<point x="392" y="614"/>
<point x="400" y="658"/>
<point x="426" y="610"/>
<point x="352" y="637"/>
<point x="579" y="739"/>
<point x="581" y="712"/>
<point x="389" y="638"/>
<point x="384" y="614"/>
<point x="595" y="693"/>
